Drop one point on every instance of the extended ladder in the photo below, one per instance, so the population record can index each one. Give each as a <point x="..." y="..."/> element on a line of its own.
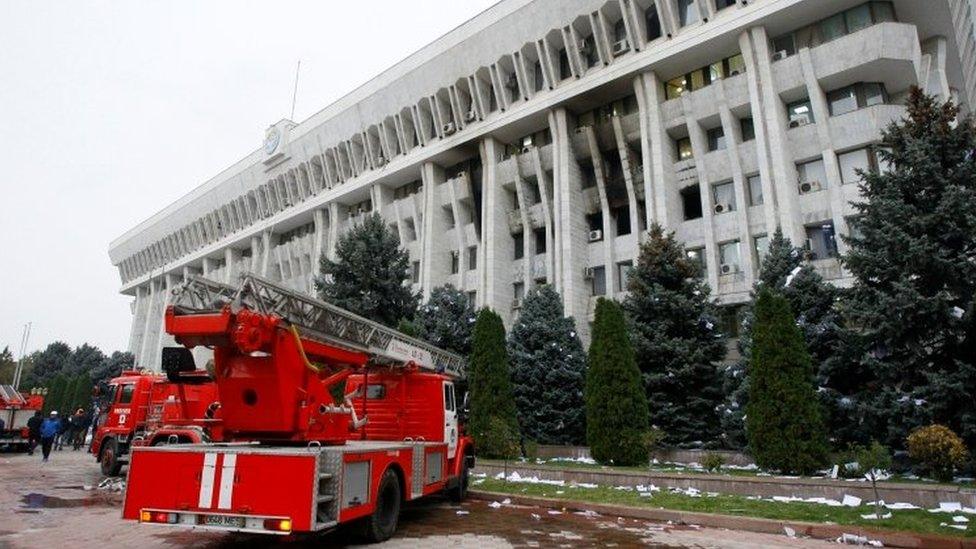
<point x="316" y="320"/>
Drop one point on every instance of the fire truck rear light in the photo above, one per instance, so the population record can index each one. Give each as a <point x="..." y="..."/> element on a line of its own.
<point x="158" y="516"/>
<point x="278" y="525"/>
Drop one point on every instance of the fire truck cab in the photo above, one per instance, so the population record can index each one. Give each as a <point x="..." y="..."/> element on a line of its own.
<point x="146" y="409"/>
<point x="327" y="418"/>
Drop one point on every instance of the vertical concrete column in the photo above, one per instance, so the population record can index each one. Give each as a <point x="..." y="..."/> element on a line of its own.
<point x="935" y="81"/>
<point x="435" y="264"/>
<point x="776" y="166"/>
<point x="552" y="222"/>
<point x="208" y="266"/>
<point x="571" y="255"/>
<point x="609" y="229"/>
<point x="163" y="339"/>
<point x="497" y="246"/>
<point x="320" y="220"/>
<point x="699" y="144"/>
<point x="144" y="345"/>
<point x="138" y="320"/>
<point x="660" y="190"/>
<point x="232" y="257"/>
<point x="338" y="214"/>
<point x="268" y="241"/>
<point x="730" y="127"/>
<point x="626" y="166"/>
<point x="528" y="241"/>
<point x="255" y="265"/>
<point x="459" y="237"/>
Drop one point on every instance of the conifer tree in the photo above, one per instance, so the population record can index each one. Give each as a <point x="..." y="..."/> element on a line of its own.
<point x="369" y="274"/>
<point x="616" y="406"/>
<point x="548" y="370"/>
<point x="492" y="403"/>
<point x="446" y="319"/>
<point x="82" y="395"/>
<point x="783" y="421"/>
<point x="55" y="394"/>
<point x="912" y="252"/>
<point x="676" y="341"/>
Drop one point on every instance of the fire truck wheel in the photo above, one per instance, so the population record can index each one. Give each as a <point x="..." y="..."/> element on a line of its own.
<point x="459" y="492"/>
<point x="381" y="525"/>
<point x="109" y="459"/>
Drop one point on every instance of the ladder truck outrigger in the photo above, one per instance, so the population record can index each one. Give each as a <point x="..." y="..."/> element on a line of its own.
<point x="327" y="418"/>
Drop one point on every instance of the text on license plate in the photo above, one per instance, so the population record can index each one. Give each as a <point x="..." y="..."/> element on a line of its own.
<point x="225" y="521"/>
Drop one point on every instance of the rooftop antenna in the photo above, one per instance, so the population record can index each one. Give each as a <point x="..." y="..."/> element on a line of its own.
<point x="23" y="353"/>
<point x="294" y="94"/>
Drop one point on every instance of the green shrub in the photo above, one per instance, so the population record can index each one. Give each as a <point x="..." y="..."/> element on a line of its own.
<point x="530" y="449"/>
<point x="938" y="450"/>
<point x="712" y="462"/>
<point x="498" y="440"/>
<point x="653" y="439"/>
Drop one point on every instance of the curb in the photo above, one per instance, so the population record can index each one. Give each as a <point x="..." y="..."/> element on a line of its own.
<point x="731" y="522"/>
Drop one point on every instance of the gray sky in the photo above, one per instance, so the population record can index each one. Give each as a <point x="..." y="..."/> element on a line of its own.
<point x="111" y="110"/>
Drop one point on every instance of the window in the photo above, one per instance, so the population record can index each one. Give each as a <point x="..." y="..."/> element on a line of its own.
<point x="704" y="76"/>
<point x="696" y="256"/>
<point x="755" y="190"/>
<point x="728" y="256"/>
<point x="622" y="217"/>
<point x="683" y="146"/>
<point x="674" y="88"/>
<point x="455" y="263"/>
<point x="472" y="258"/>
<point x="540" y="241"/>
<point x="537" y="74"/>
<point x="821" y="243"/>
<point x="595" y="221"/>
<point x="716" y="139"/>
<point x="874" y="93"/>
<point x="415" y="272"/>
<point x="599" y="281"/>
<point x="760" y="247"/>
<point x="619" y="30"/>
<point x="375" y="391"/>
<point x="832" y="27"/>
<point x="623" y="274"/>
<point x="730" y="318"/>
<point x="653" y="23"/>
<point x="518" y="289"/>
<point x="736" y="65"/>
<point x="851" y="162"/>
<point x="564" y="70"/>
<point x="842" y="101"/>
<point x="691" y="202"/>
<point x="722" y="4"/>
<point x="449" y="397"/>
<point x="588" y="51"/>
<point x="835" y="26"/>
<point x="473" y="298"/>
<point x="687" y="12"/>
<point x="800" y="113"/>
<point x="856" y="96"/>
<point x="723" y="196"/>
<point x="748" y="129"/>
<point x="784" y="46"/>
<point x="125" y="395"/>
<point x="812" y="176"/>
<point x="519" y="243"/>
<point x="858" y="18"/>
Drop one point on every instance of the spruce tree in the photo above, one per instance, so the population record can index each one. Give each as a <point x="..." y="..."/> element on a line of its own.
<point x="492" y="404"/>
<point x="55" y="394"/>
<point x="912" y="252"/>
<point x="783" y="420"/>
<point x="82" y="395"/>
<point x="369" y="275"/>
<point x="616" y="407"/>
<point x="446" y="319"/>
<point x="676" y="341"/>
<point x="548" y="370"/>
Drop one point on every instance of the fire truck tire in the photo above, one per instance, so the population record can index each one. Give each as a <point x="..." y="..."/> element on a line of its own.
<point x="109" y="458"/>
<point x="459" y="492"/>
<point x="382" y="524"/>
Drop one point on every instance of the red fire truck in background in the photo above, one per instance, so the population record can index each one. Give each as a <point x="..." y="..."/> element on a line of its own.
<point x="327" y="418"/>
<point x="143" y="408"/>
<point x="15" y="409"/>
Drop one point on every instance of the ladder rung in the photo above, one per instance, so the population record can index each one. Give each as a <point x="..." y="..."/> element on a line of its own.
<point x="325" y="476"/>
<point x="326" y="498"/>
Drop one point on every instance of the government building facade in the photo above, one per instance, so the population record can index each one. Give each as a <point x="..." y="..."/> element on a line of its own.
<point x="535" y="143"/>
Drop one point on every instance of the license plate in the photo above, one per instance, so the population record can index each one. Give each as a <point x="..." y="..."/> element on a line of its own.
<point x="224" y="521"/>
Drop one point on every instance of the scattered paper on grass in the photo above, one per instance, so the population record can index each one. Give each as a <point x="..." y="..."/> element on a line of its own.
<point x="897" y="506"/>
<point x="874" y="516"/>
<point x="494" y="505"/>
<point x="961" y="527"/>
<point x="462" y="512"/>
<point x="959" y="518"/>
<point x="554" y="512"/>
<point x="851" y="501"/>
<point x="950" y="506"/>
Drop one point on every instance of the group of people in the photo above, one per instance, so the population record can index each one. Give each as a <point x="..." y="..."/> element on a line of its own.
<point x="53" y="432"/>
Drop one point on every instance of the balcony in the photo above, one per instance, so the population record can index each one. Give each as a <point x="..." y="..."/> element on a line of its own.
<point x="686" y="172"/>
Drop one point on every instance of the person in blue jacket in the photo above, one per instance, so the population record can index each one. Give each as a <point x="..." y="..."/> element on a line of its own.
<point x="49" y="430"/>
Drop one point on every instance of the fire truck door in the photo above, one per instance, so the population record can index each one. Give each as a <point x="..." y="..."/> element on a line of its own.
<point x="450" y="420"/>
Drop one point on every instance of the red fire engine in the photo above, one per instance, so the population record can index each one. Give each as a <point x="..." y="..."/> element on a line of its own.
<point x="328" y="418"/>
<point x="141" y="408"/>
<point x="15" y="409"/>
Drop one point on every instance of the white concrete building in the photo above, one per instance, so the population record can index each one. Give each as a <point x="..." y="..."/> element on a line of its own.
<point x="537" y="141"/>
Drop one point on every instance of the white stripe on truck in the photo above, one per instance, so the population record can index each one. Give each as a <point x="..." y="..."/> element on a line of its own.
<point x="207" y="480"/>
<point x="227" y="481"/>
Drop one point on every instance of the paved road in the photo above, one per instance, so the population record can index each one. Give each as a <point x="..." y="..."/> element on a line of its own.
<point x="58" y="503"/>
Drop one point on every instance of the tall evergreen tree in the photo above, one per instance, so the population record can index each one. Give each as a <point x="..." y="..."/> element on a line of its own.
<point x="912" y="252"/>
<point x="676" y="341"/>
<point x="492" y="402"/>
<point x="7" y="366"/>
<point x="369" y="274"/>
<point x="82" y="394"/>
<point x="548" y="370"/>
<point x="783" y="422"/>
<point x="85" y="358"/>
<point x="112" y="366"/>
<point x="616" y="407"/>
<point x="56" y="390"/>
<point x="47" y="364"/>
<point x="446" y="319"/>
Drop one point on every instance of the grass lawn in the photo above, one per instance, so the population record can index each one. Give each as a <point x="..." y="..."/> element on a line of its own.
<point x="905" y="520"/>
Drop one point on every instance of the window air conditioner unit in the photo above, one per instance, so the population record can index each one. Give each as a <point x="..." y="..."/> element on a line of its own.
<point x="729" y="268"/>
<point x="620" y="47"/>
<point x="449" y="128"/>
<point x="809" y="187"/>
<point x="735" y="72"/>
<point x="581" y="129"/>
<point x="525" y="149"/>
<point x="471" y="115"/>
<point x="512" y="83"/>
<point x="722" y="207"/>
<point x="587" y="272"/>
<point x="780" y="55"/>
<point x="596" y="235"/>
<point x="798" y="120"/>
<point x="516" y="303"/>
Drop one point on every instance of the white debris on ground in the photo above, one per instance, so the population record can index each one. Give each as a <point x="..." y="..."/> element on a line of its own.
<point x="959" y="518"/>
<point x="953" y="507"/>
<point x="874" y="516"/>
<point x="583" y="460"/>
<point x="587" y="513"/>
<point x="462" y="512"/>
<point x="790" y="533"/>
<point x="112" y="484"/>
<point x="514" y="476"/>
<point x="851" y="501"/>
<point x="962" y="527"/>
<point x="854" y="539"/>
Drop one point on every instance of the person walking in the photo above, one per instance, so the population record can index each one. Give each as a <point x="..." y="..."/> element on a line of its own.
<point x="49" y="430"/>
<point x="81" y="422"/>
<point x="34" y="431"/>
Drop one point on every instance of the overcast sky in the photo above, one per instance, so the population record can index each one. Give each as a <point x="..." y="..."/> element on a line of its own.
<point x="111" y="110"/>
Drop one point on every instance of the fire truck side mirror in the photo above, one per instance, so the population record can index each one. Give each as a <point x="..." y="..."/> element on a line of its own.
<point x="175" y="361"/>
<point x="465" y="408"/>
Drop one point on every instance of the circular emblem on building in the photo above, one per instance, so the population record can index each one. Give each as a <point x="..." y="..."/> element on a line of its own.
<point x="271" y="140"/>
